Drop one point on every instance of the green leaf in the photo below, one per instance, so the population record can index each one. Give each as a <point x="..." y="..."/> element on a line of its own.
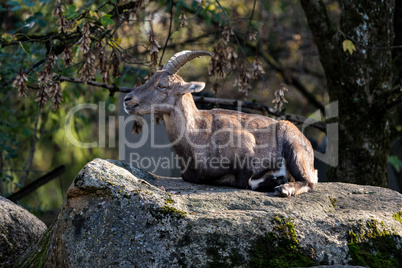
<point x="27" y="132"/>
<point x="395" y="162"/>
<point x="8" y="37"/>
<point x="28" y="3"/>
<point x="18" y="185"/>
<point x="31" y="19"/>
<point x="349" y="46"/>
<point x="15" y="8"/>
<point x="13" y="3"/>
<point x="70" y="12"/>
<point x="106" y="20"/>
<point x="25" y="47"/>
<point x="42" y="23"/>
<point x="44" y="1"/>
<point x="7" y="148"/>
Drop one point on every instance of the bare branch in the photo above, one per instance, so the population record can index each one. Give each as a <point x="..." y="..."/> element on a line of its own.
<point x="37" y="183"/>
<point x="35" y="138"/>
<point x="226" y="102"/>
<point x="111" y="88"/>
<point x="169" y="33"/>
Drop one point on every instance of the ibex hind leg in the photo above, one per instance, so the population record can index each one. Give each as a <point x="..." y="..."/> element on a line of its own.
<point x="293" y="188"/>
<point x="299" y="157"/>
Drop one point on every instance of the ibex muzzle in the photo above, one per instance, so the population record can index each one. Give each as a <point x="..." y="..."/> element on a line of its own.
<point x="223" y="147"/>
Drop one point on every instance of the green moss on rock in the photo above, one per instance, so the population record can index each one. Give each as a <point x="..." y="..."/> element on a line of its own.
<point x="169" y="200"/>
<point x="279" y="248"/>
<point x="174" y="212"/>
<point x="165" y="211"/>
<point x="333" y="201"/>
<point x="398" y="216"/>
<point x="371" y="245"/>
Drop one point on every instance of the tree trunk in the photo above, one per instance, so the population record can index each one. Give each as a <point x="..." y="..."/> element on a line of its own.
<point x="361" y="82"/>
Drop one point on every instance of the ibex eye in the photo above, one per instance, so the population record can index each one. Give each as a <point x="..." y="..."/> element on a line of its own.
<point x="160" y="87"/>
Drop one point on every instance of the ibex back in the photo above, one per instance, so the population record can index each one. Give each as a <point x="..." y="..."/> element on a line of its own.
<point x="224" y="147"/>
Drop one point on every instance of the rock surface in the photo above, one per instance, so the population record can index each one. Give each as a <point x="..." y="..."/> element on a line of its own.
<point x="116" y="215"/>
<point x="19" y="229"/>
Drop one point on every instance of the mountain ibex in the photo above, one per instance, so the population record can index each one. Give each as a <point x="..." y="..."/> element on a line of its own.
<point x="224" y="147"/>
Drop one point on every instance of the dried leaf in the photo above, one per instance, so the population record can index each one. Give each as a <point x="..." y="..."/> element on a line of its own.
<point x="280" y="97"/>
<point x="68" y="55"/>
<point x="226" y="33"/>
<point x="183" y="20"/>
<point x="61" y="21"/>
<point x="56" y="95"/>
<point x="218" y="60"/>
<point x="153" y="47"/>
<point x="243" y="80"/>
<point x="20" y="84"/>
<point x="215" y="88"/>
<point x="257" y="67"/>
<point x="115" y="64"/>
<point x="252" y="35"/>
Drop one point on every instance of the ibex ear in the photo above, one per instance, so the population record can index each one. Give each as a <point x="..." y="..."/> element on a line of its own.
<point x="193" y="87"/>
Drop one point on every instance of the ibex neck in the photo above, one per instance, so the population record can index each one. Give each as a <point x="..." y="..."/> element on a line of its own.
<point x="187" y="106"/>
<point x="183" y="118"/>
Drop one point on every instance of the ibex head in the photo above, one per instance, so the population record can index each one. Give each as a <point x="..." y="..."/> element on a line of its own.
<point x="164" y="88"/>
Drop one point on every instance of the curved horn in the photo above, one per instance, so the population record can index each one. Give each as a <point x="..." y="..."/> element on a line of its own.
<point x="179" y="59"/>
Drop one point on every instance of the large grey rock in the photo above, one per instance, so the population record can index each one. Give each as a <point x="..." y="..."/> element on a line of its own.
<point x="119" y="216"/>
<point x="19" y="229"/>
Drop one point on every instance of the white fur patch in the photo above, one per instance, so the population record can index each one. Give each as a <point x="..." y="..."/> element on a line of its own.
<point x="282" y="172"/>
<point x="314" y="179"/>
<point x="255" y="183"/>
<point x="304" y="189"/>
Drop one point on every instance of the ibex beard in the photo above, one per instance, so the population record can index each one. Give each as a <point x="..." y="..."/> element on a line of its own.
<point x="224" y="147"/>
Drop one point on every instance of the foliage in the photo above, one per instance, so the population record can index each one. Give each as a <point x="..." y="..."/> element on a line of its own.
<point x="395" y="162"/>
<point x="55" y="55"/>
<point x="46" y="44"/>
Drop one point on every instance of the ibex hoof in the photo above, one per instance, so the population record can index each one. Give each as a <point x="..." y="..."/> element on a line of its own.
<point x="284" y="190"/>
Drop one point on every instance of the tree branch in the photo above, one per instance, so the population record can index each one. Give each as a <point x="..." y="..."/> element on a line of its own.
<point x="111" y="88"/>
<point x="290" y="79"/>
<point x="170" y="31"/>
<point x="217" y="101"/>
<point x="9" y="81"/>
<point x="317" y="17"/>
<point x="37" y="183"/>
<point x="35" y="139"/>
